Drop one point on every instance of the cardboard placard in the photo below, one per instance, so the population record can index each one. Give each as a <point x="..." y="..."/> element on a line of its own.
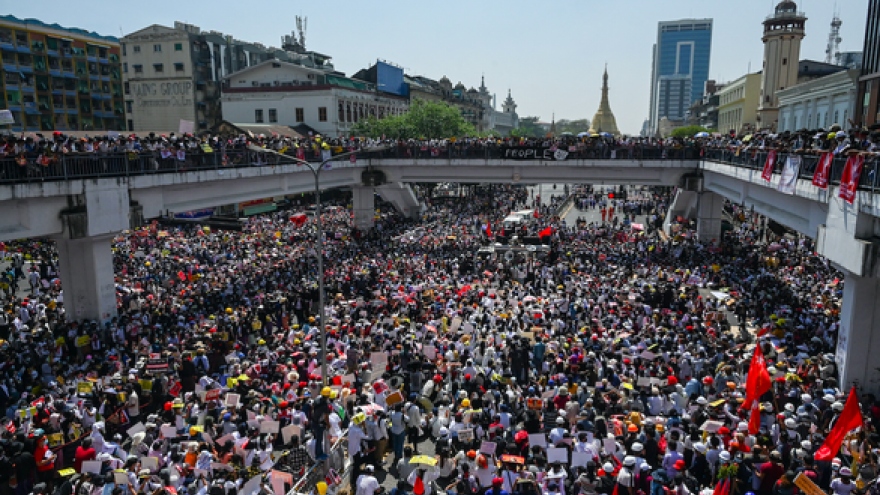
<point x="644" y="381"/>
<point x="488" y="448"/>
<point x="121" y="478"/>
<point x="538" y="439"/>
<point x="557" y="454"/>
<point x="290" y="431"/>
<point x="610" y="445"/>
<point x="807" y="486"/>
<point x="268" y="426"/>
<point x="168" y="431"/>
<point x="535" y="404"/>
<point x="232" y="400"/>
<point x="55" y="439"/>
<point x="394" y="398"/>
<point x="280" y="481"/>
<point x="84" y="388"/>
<point x="213" y="394"/>
<point x="134" y="430"/>
<point x="252" y="487"/>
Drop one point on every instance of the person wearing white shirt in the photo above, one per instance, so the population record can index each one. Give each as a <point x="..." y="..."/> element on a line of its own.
<point x="367" y="484"/>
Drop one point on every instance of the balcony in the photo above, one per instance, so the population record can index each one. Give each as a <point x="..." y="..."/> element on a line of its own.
<point x="22" y="48"/>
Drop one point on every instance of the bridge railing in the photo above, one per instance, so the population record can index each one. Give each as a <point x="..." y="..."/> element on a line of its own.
<point x="868" y="180"/>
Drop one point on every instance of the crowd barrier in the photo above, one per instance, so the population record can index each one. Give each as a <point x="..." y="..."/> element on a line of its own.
<point x="337" y="460"/>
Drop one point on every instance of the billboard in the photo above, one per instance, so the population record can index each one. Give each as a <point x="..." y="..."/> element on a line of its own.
<point x="389" y="79"/>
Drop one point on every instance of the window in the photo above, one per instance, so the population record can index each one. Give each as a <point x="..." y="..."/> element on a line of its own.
<point x="322" y="114"/>
<point x="178" y="47"/>
<point x="178" y="67"/>
<point x="300" y="115"/>
<point x="784" y="61"/>
<point x="341" y="116"/>
<point x="138" y="68"/>
<point x="137" y="48"/>
<point x="130" y="125"/>
<point x="159" y="67"/>
<point x="273" y="115"/>
<point x="126" y="87"/>
<point x="124" y="51"/>
<point x="157" y="47"/>
<point x="128" y="106"/>
<point x="258" y="116"/>
<point x="125" y="67"/>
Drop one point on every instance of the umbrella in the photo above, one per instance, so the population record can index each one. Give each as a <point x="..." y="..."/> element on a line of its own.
<point x="747" y="138"/>
<point x="605" y="134"/>
<point x="423" y="459"/>
<point x="583" y="134"/>
<point x="702" y="134"/>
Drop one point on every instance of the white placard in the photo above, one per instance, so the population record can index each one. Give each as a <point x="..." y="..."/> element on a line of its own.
<point x="134" y="430"/>
<point x="252" y="487"/>
<point x="711" y="426"/>
<point x="151" y="463"/>
<point x="538" y="439"/>
<point x="557" y="454"/>
<point x="488" y="448"/>
<point x="232" y="400"/>
<point x="268" y="426"/>
<point x="610" y="445"/>
<point x="279" y="479"/>
<point x="168" y="431"/>
<point x="186" y="126"/>
<point x="580" y="459"/>
<point x="6" y="117"/>
<point x="466" y="436"/>
<point x="121" y="478"/>
<point x="93" y="467"/>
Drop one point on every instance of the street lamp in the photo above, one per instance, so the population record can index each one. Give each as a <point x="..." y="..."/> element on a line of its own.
<point x="316" y="172"/>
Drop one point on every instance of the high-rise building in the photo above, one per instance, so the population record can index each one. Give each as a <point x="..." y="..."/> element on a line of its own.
<point x="59" y="79"/>
<point x="783" y="32"/>
<point x="867" y="111"/>
<point x="680" y="68"/>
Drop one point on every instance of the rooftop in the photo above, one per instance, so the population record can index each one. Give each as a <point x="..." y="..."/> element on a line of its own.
<point x="38" y="24"/>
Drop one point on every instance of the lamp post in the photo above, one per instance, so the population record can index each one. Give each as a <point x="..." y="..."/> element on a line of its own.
<point x="316" y="172"/>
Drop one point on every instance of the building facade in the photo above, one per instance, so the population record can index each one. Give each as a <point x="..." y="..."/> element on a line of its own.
<point x="783" y="32"/>
<point x="285" y="93"/>
<point x="59" y="79"/>
<point x="477" y="106"/>
<point x="738" y="105"/>
<point x="867" y="105"/>
<point x="680" y="68"/>
<point x="819" y="103"/>
<point x="173" y="74"/>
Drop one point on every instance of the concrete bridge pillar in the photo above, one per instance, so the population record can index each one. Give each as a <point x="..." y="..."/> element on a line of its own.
<point x="858" y="344"/>
<point x="86" y="267"/>
<point x="710" y="207"/>
<point x="364" y="207"/>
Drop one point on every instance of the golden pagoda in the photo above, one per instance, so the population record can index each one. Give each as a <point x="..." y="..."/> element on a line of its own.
<point x="604" y="120"/>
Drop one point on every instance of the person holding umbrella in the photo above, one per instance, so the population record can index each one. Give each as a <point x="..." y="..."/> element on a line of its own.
<point x="423" y="476"/>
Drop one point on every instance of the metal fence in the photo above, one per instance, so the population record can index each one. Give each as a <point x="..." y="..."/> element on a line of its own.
<point x="337" y="460"/>
<point x="868" y="181"/>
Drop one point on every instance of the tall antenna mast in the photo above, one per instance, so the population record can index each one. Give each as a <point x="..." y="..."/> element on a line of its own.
<point x="301" y="26"/>
<point x="832" y="51"/>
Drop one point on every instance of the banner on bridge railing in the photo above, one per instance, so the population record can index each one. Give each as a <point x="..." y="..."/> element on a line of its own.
<point x="533" y="153"/>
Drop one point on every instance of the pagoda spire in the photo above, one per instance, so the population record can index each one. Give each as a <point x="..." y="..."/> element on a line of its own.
<point x="604" y="120"/>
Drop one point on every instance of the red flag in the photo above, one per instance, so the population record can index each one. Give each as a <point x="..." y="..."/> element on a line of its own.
<point x="536" y="214"/>
<point x="755" y="418"/>
<point x="722" y="488"/>
<point x="769" y="165"/>
<point x="547" y="232"/>
<point x="849" y="419"/>
<point x="488" y="229"/>
<point x="616" y="491"/>
<point x="419" y="486"/>
<point x="849" y="181"/>
<point x="823" y="170"/>
<point x="758" y="382"/>
<point x="502" y="230"/>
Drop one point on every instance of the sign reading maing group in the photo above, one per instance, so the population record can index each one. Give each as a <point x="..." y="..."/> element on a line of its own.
<point x="522" y="153"/>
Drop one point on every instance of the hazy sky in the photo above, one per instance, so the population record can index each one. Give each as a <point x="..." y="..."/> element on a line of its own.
<point x="549" y="53"/>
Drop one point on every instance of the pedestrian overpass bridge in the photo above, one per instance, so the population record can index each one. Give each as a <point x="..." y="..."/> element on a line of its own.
<point x="82" y="212"/>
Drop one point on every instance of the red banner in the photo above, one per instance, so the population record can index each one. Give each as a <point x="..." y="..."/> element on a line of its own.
<point x="769" y="165"/>
<point x="849" y="181"/>
<point x="823" y="170"/>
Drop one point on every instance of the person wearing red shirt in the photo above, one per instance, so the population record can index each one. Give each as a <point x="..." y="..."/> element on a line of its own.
<point x="770" y="472"/>
<point x="561" y="399"/>
<point x="45" y="460"/>
<point x="85" y="452"/>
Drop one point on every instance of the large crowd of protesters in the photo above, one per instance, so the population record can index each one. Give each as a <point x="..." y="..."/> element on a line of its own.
<point x="38" y="155"/>
<point x="612" y="360"/>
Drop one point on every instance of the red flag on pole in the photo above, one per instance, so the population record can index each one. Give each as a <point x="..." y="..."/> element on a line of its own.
<point x="536" y="214"/>
<point x="758" y="381"/>
<point x="849" y="181"/>
<point x="488" y="229"/>
<point x="547" y="232"/>
<point x="755" y="418"/>
<point x="849" y="419"/>
<point x="769" y="165"/>
<point x="823" y="170"/>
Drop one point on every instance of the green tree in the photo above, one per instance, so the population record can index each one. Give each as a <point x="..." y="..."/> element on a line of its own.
<point x="572" y="126"/>
<point x="688" y="131"/>
<point x="528" y="127"/>
<point x="424" y="120"/>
